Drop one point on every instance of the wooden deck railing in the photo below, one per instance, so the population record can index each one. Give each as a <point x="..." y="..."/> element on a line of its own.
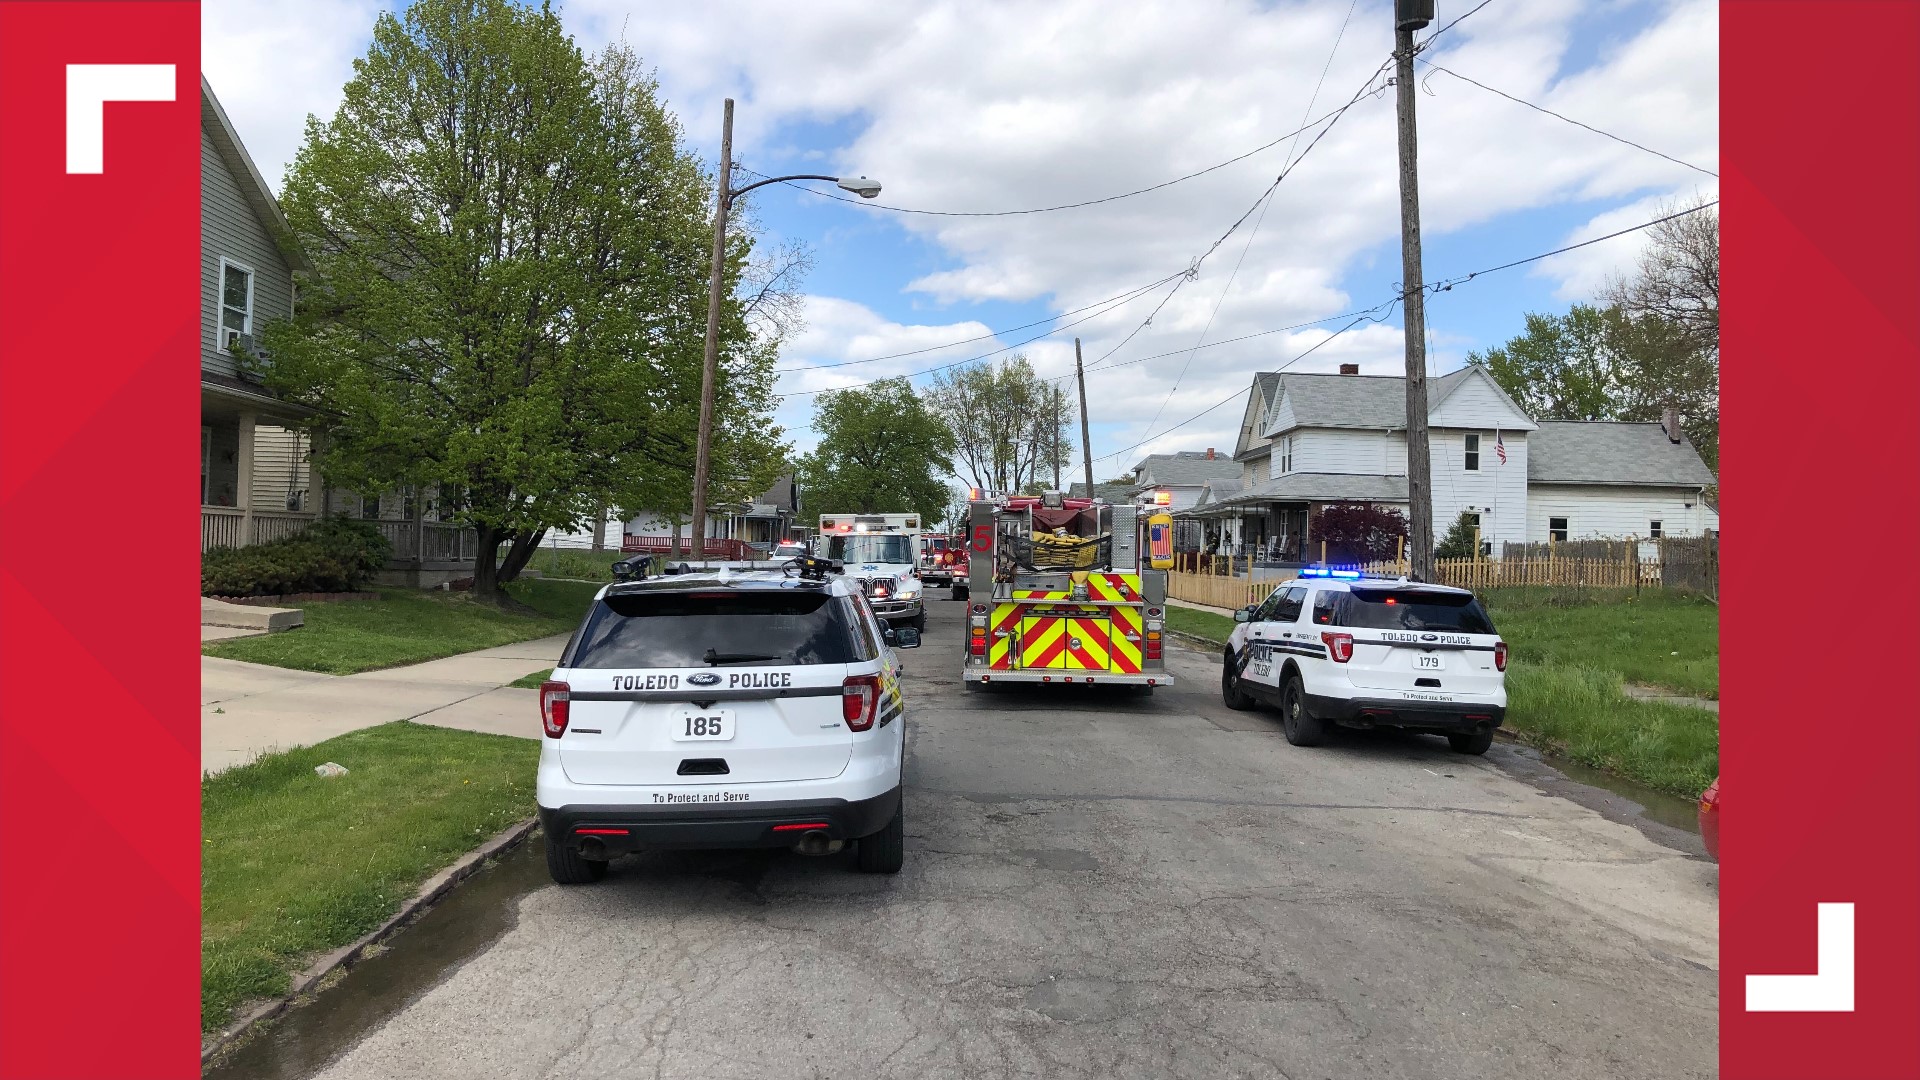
<point x="226" y="526"/>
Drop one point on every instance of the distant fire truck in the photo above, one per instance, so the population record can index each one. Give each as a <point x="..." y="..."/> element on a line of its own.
<point x="1065" y="590"/>
<point x="940" y="560"/>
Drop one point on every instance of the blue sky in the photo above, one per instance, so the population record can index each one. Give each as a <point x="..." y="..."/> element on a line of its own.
<point x="989" y="106"/>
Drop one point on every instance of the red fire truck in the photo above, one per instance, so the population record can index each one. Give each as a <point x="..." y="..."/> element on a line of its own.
<point x="1062" y="591"/>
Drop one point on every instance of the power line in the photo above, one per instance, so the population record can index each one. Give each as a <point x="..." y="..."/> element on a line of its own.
<point x="1267" y="201"/>
<point x="1429" y="38"/>
<point x="989" y="335"/>
<point x="1194" y="271"/>
<point x="1062" y="206"/>
<point x="1440" y="286"/>
<point x="982" y="356"/>
<point x="1569" y="119"/>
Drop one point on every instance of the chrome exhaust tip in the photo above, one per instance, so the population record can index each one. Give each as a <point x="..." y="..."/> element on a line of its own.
<point x="593" y="848"/>
<point x="815" y="842"/>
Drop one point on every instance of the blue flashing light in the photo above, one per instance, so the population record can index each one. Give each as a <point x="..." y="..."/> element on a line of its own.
<point x="1320" y="571"/>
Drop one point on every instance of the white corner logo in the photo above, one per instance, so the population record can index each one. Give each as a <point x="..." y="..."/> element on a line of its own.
<point x="89" y="88"/>
<point x="1829" y="988"/>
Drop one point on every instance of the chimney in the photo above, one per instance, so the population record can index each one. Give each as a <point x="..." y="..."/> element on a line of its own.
<point x="1349" y="369"/>
<point x="1670" y="423"/>
<point x="1209" y="453"/>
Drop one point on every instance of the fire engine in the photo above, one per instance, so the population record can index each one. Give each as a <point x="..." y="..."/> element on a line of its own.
<point x="940" y="559"/>
<point x="1065" y="590"/>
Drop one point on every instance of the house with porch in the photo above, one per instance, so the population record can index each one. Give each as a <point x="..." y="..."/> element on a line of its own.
<point x="744" y="529"/>
<point x="257" y="480"/>
<point x="1311" y="440"/>
<point x="256" y="475"/>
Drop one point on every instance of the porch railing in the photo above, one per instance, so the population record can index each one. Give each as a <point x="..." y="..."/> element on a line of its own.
<point x="429" y="541"/>
<point x="226" y="526"/>
<point x="719" y="547"/>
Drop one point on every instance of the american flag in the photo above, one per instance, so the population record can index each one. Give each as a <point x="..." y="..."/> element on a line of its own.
<point x="1500" y="447"/>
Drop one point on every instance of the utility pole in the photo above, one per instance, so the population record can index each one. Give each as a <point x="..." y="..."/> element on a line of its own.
<point x="704" y="450"/>
<point x="1411" y="15"/>
<point x="1086" y="440"/>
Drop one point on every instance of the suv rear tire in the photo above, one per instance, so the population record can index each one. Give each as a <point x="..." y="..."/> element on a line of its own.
<point x="885" y="852"/>
<point x="568" y="868"/>
<point x="1230" y="692"/>
<point x="1471" y="742"/>
<point x="1302" y="727"/>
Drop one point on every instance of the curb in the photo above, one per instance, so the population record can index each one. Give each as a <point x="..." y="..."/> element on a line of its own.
<point x="435" y="888"/>
<point x="1194" y="642"/>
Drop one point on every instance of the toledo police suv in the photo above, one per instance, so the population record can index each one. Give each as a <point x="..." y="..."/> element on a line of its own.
<point x="1335" y="647"/>
<point x="725" y="711"/>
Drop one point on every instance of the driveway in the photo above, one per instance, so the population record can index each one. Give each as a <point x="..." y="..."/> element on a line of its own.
<point x="1096" y="886"/>
<point x="249" y="709"/>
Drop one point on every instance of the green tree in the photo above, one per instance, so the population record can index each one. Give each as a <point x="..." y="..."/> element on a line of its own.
<point x="511" y="242"/>
<point x="1564" y="367"/>
<point x="881" y="451"/>
<point x="1010" y="426"/>
<point x="1458" y="543"/>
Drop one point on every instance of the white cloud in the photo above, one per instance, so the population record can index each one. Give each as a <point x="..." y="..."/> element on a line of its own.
<point x="968" y="105"/>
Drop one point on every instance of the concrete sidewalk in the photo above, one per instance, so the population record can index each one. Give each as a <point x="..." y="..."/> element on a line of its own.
<point x="250" y="709"/>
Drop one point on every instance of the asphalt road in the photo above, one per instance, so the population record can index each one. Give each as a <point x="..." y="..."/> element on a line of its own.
<point x="1106" y="886"/>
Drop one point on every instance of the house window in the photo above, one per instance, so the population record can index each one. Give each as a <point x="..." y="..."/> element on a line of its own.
<point x="206" y="465"/>
<point x="1473" y="451"/>
<point x="1653" y="529"/>
<point x="370" y="507"/>
<point x="1557" y="529"/>
<point x="236" y="302"/>
<point x="1286" y="453"/>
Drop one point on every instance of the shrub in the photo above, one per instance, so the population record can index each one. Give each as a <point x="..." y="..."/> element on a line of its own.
<point x="1357" y="534"/>
<point x="333" y="555"/>
<point x="1458" y="543"/>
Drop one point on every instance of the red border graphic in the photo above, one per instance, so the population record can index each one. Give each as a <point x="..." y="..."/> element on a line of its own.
<point x="1821" y="216"/>
<point x="99" y="727"/>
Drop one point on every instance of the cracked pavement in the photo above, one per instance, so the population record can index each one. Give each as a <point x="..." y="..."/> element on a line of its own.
<point x="1102" y="885"/>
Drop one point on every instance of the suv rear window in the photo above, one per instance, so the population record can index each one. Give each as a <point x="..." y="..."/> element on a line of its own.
<point x="680" y="629"/>
<point x="1414" y="609"/>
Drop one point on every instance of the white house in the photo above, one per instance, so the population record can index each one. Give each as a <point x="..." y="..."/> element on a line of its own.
<point x="1310" y="440"/>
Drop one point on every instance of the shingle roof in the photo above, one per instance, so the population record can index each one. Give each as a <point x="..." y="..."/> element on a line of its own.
<point x="1606" y="452"/>
<point x="1359" y="401"/>
<point x="1218" y="490"/>
<point x="1320" y="487"/>
<point x="1188" y="467"/>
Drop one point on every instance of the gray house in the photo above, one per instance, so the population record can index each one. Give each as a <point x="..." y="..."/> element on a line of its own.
<point x="256" y="477"/>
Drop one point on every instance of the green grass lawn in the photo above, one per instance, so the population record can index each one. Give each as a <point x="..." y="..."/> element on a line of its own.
<point x="585" y="565"/>
<point x="1580" y="713"/>
<point x="1201" y="624"/>
<point x="1663" y="639"/>
<point x="533" y="681"/>
<point x="408" y="626"/>
<point x="294" y="865"/>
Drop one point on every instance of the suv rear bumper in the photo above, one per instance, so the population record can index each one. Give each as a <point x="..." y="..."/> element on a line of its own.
<point x="624" y="829"/>
<point x="1447" y="716"/>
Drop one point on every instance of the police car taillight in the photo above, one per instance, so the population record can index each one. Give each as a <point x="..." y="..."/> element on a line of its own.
<point x="555" y="702"/>
<point x="859" y="696"/>
<point x="1339" y="646"/>
<point x="1500" y="656"/>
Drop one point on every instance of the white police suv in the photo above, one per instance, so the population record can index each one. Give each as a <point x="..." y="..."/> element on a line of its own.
<point x="749" y="710"/>
<point x="1333" y="647"/>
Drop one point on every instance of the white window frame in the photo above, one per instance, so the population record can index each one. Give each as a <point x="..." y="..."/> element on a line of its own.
<point x="1656" y="528"/>
<point x="1470" y="459"/>
<point x="1286" y="454"/>
<point x="1565" y="530"/>
<point x="220" y="295"/>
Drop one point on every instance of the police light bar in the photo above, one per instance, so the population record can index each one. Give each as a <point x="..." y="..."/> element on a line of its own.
<point x="1317" y="571"/>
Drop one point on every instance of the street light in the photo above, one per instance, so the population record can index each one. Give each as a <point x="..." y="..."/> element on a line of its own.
<point x="723" y="201"/>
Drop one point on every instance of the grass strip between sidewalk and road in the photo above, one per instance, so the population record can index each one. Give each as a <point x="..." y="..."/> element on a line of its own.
<point x="1652" y="637"/>
<point x="533" y="681"/>
<point x="1205" y="625"/>
<point x="1580" y="713"/>
<point x="409" y="626"/>
<point x="294" y="865"/>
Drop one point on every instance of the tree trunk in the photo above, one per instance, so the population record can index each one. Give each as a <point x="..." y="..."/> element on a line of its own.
<point x="486" y="559"/>
<point x="600" y="527"/>
<point x="522" y="549"/>
<point x="676" y="537"/>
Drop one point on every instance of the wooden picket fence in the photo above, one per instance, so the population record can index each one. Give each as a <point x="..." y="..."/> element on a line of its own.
<point x="1219" y="591"/>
